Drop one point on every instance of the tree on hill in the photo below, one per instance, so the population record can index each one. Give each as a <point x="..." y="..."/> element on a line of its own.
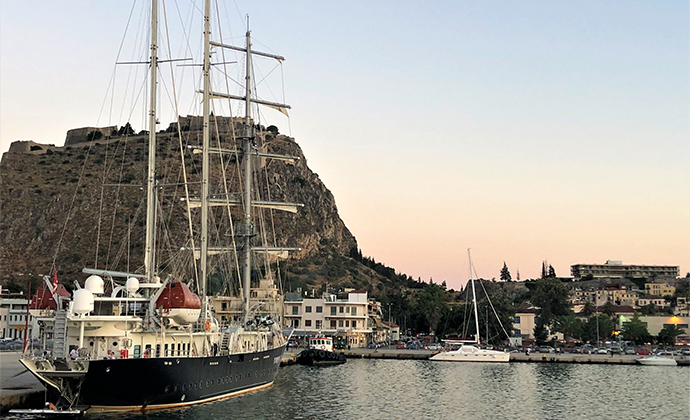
<point x="505" y="273"/>
<point x="648" y="310"/>
<point x="543" y="269"/>
<point x="551" y="297"/>
<point x="608" y="309"/>
<point x="552" y="272"/>
<point x="273" y="129"/>
<point x="125" y="130"/>
<point x="589" y="309"/>
<point x="635" y="330"/>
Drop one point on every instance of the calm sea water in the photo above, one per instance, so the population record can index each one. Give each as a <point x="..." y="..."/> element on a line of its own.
<point x="397" y="389"/>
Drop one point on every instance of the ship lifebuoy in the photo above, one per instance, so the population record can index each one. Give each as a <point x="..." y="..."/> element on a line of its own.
<point x="208" y="325"/>
<point x="323" y="347"/>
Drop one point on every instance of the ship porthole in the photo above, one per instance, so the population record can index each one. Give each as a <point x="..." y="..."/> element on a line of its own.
<point x="209" y="383"/>
<point x="201" y="384"/>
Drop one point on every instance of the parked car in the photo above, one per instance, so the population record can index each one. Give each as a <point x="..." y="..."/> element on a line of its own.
<point x="616" y="350"/>
<point x="630" y="350"/>
<point x="434" y="347"/>
<point x="685" y="351"/>
<point x="292" y="343"/>
<point x="546" y="349"/>
<point x="575" y="350"/>
<point x="642" y="352"/>
<point x="601" y="351"/>
<point x="400" y="345"/>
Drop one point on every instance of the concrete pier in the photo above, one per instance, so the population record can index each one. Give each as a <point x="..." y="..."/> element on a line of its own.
<point x="18" y="387"/>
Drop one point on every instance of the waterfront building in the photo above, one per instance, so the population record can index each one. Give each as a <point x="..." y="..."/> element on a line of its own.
<point x="656" y="323"/>
<point x="13" y="316"/>
<point x="682" y="308"/>
<point x="266" y="298"/>
<point x="659" y="289"/>
<point x="345" y="315"/>
<point x="616" y="269"/>
<point x="392" y="331"/>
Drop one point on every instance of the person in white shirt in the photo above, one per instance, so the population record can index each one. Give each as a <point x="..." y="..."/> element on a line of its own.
<point x="74" y="354"/>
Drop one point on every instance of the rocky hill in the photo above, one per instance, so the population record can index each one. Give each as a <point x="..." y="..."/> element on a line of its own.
<point x="81" y="205"/>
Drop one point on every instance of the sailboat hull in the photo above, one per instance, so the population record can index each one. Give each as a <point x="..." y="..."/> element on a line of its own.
<point x="166" y="382"/>
<point x="475" y="355"/>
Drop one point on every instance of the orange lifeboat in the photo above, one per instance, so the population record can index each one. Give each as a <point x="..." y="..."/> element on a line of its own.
<point x="178" y="303"/>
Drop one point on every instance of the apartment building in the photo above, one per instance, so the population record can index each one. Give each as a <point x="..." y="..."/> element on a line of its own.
<point x="616" y="269"/>
<point x="659" y="289"/>
<point x="345" y="315"/>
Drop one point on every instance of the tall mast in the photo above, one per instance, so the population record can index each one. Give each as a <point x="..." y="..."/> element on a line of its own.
<point x="474" y="298"/>
<point x="205" y="163"/>
<point x="149" y="260"/>
<point x="247" y="143"/>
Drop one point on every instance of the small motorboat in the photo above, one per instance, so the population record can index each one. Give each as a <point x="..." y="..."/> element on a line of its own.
<point x="657" y="361"/>
<point x="320" y="353"/>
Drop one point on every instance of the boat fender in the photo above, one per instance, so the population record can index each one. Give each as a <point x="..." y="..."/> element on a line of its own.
<point x="323" y="347"/>
<point x="208" y="325"/>
<point x="322" y="354"/>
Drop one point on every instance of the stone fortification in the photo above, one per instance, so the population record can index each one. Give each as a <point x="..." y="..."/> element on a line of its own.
<point x="80" y="135"/>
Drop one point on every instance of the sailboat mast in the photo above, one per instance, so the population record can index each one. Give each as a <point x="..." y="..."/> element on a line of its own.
<point x="474" y="298"/>
<point x="247" y="161"/>
<point x="149" y="258"/>
<point x="205" y="153"/>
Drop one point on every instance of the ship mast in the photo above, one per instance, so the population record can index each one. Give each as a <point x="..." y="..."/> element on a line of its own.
<point x="149" y="259"/>
<point x="474" y="298"/>
<point x="247" y="143"/>
<point x="203" y="264"/>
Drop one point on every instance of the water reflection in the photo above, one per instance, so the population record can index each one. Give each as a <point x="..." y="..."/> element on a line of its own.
<point x="401" y="389"/>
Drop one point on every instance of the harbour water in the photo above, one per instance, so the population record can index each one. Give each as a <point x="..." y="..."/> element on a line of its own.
<point x="420" y="389"/>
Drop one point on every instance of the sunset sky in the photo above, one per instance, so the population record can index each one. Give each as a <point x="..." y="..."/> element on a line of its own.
<point x="527" y="131"/>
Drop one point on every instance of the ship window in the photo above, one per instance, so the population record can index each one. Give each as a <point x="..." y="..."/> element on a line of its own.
<point x="166" y="350"/>
<point x="137" y="351"/>
<point x="158" y="350"/>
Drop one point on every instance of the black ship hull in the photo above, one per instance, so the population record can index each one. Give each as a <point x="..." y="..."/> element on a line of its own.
<point x="314" y="357"/>
<point x="166" y="382"/>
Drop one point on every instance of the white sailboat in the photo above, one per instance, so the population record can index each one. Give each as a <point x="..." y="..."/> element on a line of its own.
<point x="470" y="351"/>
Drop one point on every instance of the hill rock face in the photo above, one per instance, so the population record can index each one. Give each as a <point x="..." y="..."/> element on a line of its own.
<point x="82" y="205"/>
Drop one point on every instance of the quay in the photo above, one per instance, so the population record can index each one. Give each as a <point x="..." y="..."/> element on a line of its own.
<point x="18" y="387"/>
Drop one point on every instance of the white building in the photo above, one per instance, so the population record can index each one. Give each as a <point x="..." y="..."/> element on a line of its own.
<point x="330" y="315"/>
<point x="13" y="316"/>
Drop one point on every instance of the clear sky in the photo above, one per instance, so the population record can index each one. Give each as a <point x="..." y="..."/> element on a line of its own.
<point x="527" y="131"/>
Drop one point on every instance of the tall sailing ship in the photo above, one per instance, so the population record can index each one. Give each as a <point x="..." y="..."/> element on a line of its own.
<point x="151" y="342"/>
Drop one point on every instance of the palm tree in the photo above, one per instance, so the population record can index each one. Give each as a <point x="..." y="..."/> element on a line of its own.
<point x="569" y="325"/>
<point x="635" y="330"/>
<point x="668" y="334"/>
